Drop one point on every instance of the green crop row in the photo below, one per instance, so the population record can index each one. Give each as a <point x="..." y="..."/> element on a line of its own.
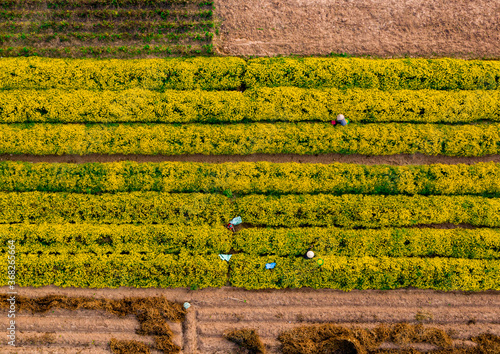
<point x="77" y="4"/>
<point x="348" y="273"/>
<point x="348" y="210"/>
<point x="130" y="51"/>
<point x="80" y="38"/>
<point x="251" y="178"/>
<point x="245" y="139"/>
<point x="265" y="104"/>
<point x="103" y="14"/>
<point x="392" y="74"/>
<point x="246" y="271"/>
<point x="113" y="74"/>
<point x="203" y="239"/>
<point x="115" y="270"/>
<point x="105" y="26"/>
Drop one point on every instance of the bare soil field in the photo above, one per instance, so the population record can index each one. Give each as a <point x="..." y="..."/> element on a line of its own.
<point x="381" y="28"/>
<point x="270" y="312"/>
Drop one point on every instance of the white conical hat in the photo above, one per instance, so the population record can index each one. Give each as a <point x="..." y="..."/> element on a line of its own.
<point x="310" y="254"/>
<point x="340" y="117"/>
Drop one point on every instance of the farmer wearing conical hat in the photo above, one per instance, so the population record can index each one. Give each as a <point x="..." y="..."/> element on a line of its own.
<point x="340" y="120"/>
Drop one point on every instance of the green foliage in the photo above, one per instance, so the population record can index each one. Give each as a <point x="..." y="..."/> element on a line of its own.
<point x="77" y="4"/>
<point x="99" y="51"/>
<point x="106" y="26"/>
<point x="129" y="28"/>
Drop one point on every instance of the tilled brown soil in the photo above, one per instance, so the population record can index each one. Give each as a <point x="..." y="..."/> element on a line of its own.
<point x="415" y="159"/>
<point x="270" y="312"/>
<point x="383" y="28"/>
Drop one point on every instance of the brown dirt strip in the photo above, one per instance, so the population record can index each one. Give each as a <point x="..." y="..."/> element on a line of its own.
<point x="396" y="160"/>
<point x="383" y="28"/>
<point x="213" y="311"/>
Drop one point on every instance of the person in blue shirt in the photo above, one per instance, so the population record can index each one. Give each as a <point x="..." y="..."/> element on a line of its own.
<point x="340" y="120"/>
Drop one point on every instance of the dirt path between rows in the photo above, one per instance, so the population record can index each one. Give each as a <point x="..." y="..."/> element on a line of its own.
<point x="383" y="28"/>
<point x="270" y="312"/>
<point x="415" y="159"/>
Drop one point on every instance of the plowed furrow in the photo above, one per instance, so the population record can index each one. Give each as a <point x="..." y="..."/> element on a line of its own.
<point x="351" y="314"/>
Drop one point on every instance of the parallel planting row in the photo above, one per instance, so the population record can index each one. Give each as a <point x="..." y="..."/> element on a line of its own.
<point x="286" y="104"/>
<point x="71" y="239"/>
<point x="244" y="139"/>
<point x="89" y="4"/>
<point x="348" y="210"/>
<point x="235" y="73"/>
<point x="248" y="271"/>
<point x="251" y="178"/>
<point x="84" y="28"/>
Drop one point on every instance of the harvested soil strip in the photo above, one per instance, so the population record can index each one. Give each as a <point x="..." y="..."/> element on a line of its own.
<point x="396" y="160"/>
<point x="190" y="332"/>
<point x="84" y="320"/>
<point x="384" y="28"/>
<point x="69" y="339"/>
<point x="363" y="314"/>
<point x="234" y="297"/>
<point x="462" y="315"/>
<point x="45" y="314"/>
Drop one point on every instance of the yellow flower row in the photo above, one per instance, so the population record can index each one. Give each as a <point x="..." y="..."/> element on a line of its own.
<point x="387" y="74"/>
<point x="230" y="73"/>
<point x="347" y="273"/>
<point x="289" y="104"/>
<point x="248" y="271"/>
<point x="85" y="270"/>
<point x="481" y="243"/>
<point x="244" y="139"/>
<point x="208" y="73"/>
<point x="251" y="177"/>
<point x="348" y="210"/>
<point x="103" y="239"/>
